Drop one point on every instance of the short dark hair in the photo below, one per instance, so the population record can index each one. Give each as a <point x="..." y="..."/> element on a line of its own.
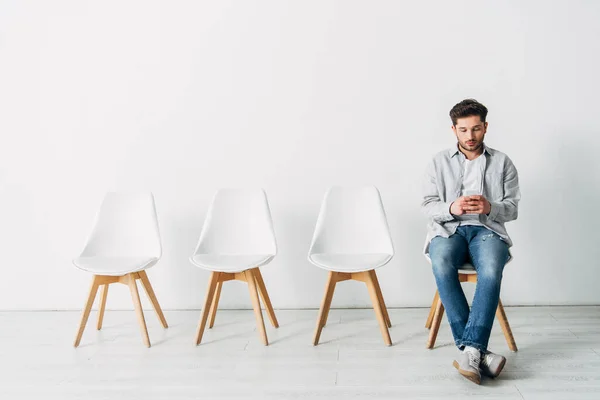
<point x="468" y="108"/>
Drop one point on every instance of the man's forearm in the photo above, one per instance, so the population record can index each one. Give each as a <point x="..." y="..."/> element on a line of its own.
<point x="437" y="210"/>
<point x="504" y="211"/>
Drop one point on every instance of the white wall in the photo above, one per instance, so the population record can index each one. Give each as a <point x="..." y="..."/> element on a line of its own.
<point x="182" y="98"/>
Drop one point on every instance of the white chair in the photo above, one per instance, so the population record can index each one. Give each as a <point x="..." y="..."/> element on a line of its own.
<point x="237" y="238"/>
<point x="351" y="240"/>
<point x="124" y="243"/>
<point x="466" y="273"/>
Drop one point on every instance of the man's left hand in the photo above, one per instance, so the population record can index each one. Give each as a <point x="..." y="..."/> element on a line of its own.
<point x="477" y="205"/>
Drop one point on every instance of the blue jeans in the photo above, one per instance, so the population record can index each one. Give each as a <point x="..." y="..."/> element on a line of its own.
<point x="488" y="253"/>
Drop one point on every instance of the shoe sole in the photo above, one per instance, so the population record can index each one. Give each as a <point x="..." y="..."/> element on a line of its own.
<point x="473" y="377"/>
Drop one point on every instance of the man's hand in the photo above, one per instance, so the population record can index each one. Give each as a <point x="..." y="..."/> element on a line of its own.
<point x="457" y="207"/>
<point x="470" y="205"/>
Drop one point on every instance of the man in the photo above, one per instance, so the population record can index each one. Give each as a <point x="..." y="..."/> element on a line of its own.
<point x="470" y="191"/>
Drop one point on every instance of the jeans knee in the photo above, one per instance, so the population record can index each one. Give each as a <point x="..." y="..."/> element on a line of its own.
<point x="490" y="271"/>
<point x="443" y="266"/>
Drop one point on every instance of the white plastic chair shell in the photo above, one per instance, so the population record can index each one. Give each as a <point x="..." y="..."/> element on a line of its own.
<point x="352" y="232"/>
<point x="238" y="232"/>
<point x="125" y="237"/>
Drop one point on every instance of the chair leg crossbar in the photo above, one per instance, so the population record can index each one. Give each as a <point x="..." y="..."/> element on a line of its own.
<point x="130" y="280"/>
<point x="256" y="286"/>
<point x="370" y="279"/>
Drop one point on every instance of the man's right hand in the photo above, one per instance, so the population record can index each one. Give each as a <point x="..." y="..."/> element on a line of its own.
<point x="457" y="207"/>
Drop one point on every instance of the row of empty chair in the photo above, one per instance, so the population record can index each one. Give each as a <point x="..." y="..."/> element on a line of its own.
<point x="351" y="240"/>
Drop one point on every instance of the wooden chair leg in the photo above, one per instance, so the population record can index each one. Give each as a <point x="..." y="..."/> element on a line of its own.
<point x="508" y="335"/>
<point x="435" y="326"/>
<point x="103" y="296"/>
<point x="262" y="290"/>
<point x="86" y="310"/>
<point x="252" y="287"/>
<point x="432" y="310"/>
<point x="208" y="299"/>
<point x="381" y="301"/>
<point x="326" y="316"/>
<point x="152" y="296"/>
<point x="325" y="305"/>
<point x="370" y="281"/>
<point x="215" y="305"/>
<point x="137" y="305"/>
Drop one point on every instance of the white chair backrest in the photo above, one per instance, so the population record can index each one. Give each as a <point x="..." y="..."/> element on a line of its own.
<point x="352" y="220"/>
<point x="238" y="222"/>
<point x="126" y="226"/>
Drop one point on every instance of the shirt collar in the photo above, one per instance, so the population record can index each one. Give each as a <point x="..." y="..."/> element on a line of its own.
<point x="454" y="151"/>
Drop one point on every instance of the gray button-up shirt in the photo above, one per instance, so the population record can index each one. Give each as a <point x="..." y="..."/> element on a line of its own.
<point x="443" y="182"/>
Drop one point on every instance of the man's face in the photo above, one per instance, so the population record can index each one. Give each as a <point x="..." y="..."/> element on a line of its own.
<point x="470" y="132"/>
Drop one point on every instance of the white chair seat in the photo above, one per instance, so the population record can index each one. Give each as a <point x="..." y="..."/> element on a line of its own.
<point x="114" y="266"/>
<point x="230" y="262"/>
<point x="467" y="268"/>
<point x="350" y="263"/>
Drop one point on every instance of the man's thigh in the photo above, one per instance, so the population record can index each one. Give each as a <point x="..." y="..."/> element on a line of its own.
<point x="488" y="251"/>
<point x="451" y="252"/>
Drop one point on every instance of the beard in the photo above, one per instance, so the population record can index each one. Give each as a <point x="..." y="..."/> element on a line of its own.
<point x="466" y="147"/>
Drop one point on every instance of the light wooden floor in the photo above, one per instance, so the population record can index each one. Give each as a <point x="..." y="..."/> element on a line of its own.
<point x="559" y="357"/>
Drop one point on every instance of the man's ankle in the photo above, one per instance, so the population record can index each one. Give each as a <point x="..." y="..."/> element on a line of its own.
<point x="473" y="350"/>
